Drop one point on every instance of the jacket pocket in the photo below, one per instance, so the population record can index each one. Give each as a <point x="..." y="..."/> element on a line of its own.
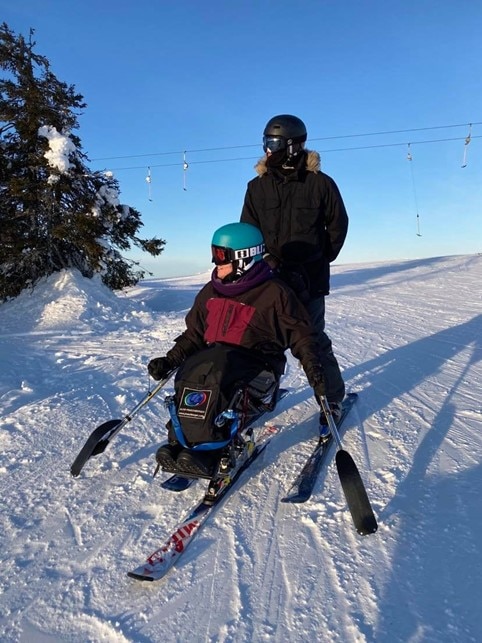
<point x="227" y="321"/>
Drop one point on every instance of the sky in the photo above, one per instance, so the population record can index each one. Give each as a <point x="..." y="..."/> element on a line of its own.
<point x="192" y="81"/>
<point x="408" y="336"/>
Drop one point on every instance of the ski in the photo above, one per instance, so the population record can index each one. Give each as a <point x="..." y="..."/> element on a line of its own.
<point x="163" y="559"/>
<point x="302" y="488"/>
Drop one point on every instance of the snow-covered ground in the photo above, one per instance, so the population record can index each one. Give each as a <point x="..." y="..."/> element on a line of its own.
<point x="73" y="355"/>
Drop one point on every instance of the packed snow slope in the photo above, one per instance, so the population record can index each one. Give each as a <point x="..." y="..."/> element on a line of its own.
<point x="73" y="355"/>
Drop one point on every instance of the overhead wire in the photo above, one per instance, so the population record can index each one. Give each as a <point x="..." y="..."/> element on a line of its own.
<point x="185" y="165"/>
<point x="326" y="151"/>
<point x="325" y="138"/>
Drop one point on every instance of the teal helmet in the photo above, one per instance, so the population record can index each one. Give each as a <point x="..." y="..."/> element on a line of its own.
<point x="240" y="243"/>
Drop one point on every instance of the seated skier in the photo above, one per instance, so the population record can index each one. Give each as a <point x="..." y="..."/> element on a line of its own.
<point x="231" y="355"/>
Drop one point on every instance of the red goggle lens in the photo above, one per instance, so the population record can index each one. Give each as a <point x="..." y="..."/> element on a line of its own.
<point x="221" y="256"/>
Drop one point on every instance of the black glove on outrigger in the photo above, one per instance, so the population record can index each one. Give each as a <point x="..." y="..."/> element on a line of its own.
<point x="159" y="368"/>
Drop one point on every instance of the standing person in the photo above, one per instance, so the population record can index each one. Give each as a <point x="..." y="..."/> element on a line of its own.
<point x="237" y="331"/>
<point x="301" y="215"/>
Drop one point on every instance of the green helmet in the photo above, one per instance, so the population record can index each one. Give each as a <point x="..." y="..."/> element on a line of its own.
<point x="240" y="243"/>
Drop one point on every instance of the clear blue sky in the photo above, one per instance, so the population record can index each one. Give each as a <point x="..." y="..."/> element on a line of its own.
<point x="162" y="77"/>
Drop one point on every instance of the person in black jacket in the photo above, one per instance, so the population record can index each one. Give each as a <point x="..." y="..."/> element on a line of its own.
<point x="240" y="325"/>
<point x="302" y="217"/>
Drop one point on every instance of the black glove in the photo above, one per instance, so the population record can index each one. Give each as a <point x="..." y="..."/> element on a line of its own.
<point x="314" y="373"/>
<point x="319" y="388"/>
<point x="297" y="282"/>
<point x="159" y="368"/>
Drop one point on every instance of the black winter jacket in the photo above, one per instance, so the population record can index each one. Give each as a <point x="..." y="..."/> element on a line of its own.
<point x="302" y="217"/>
<point x="268" y="319"/>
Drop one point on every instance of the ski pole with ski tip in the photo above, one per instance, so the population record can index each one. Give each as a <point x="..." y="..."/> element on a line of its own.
<point x="101" y="436"/>
<point x="351" y="481"/>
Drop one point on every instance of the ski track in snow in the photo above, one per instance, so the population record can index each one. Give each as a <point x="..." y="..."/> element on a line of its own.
<point x="408" y="337"/>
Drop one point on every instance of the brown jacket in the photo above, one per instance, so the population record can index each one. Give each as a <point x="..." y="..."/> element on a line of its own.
<point x="268" y="319"/>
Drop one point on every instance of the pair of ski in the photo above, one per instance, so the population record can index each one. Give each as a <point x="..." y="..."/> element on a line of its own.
<point x="163" y="559"/>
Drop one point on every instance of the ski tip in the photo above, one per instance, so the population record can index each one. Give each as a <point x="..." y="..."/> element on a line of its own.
<point x="139" y="576"/>
<point x="76" y="468"/>
<point x="294" y="499"/>
<point x="368" y="526"/>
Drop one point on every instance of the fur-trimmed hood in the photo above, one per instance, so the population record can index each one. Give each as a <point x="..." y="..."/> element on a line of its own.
<point x="313" y="163"/>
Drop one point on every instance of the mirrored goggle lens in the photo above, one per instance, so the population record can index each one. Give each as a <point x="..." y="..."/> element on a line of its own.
<point x="273" y="143"/>
<point x="221" y="256"/>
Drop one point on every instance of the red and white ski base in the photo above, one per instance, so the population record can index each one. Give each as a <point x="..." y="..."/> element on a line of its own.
<point x="163" y="559"/>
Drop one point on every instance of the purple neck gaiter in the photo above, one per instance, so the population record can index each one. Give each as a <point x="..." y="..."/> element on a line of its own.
<point x="255" y="276"/>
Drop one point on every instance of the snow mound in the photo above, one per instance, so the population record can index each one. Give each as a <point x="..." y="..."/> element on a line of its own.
<point x="66" y="300"/>
<point x="173" y="294"/>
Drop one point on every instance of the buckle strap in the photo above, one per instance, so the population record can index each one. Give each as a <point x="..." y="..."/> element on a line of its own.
<point x="202" y="446"/>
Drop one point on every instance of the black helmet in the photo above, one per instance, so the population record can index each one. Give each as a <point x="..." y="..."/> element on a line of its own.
<point x="289" y="127"/>
<point x="284" y="134"/>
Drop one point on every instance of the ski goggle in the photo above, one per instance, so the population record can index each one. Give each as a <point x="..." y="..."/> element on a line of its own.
<point x="222" y="255"/>
<point x="274" y="143"/>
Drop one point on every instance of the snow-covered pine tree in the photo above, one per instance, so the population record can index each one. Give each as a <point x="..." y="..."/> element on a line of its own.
<point x="55" y="212"/>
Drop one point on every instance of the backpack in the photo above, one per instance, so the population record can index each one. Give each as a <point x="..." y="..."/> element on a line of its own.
<point x="208" y="383"/>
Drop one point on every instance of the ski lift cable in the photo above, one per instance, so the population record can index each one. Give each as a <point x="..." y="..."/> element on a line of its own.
<point x="325" y="138"/>
<point x="326" y="151"/>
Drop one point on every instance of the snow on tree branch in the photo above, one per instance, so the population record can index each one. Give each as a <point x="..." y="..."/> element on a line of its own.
<point x="60" y="146"/>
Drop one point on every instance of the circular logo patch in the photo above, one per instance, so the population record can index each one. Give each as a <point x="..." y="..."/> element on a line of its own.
<point x="196" y="398"/>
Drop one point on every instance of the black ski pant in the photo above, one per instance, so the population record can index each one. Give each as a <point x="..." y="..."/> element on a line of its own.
<point x="334" y="384"/>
